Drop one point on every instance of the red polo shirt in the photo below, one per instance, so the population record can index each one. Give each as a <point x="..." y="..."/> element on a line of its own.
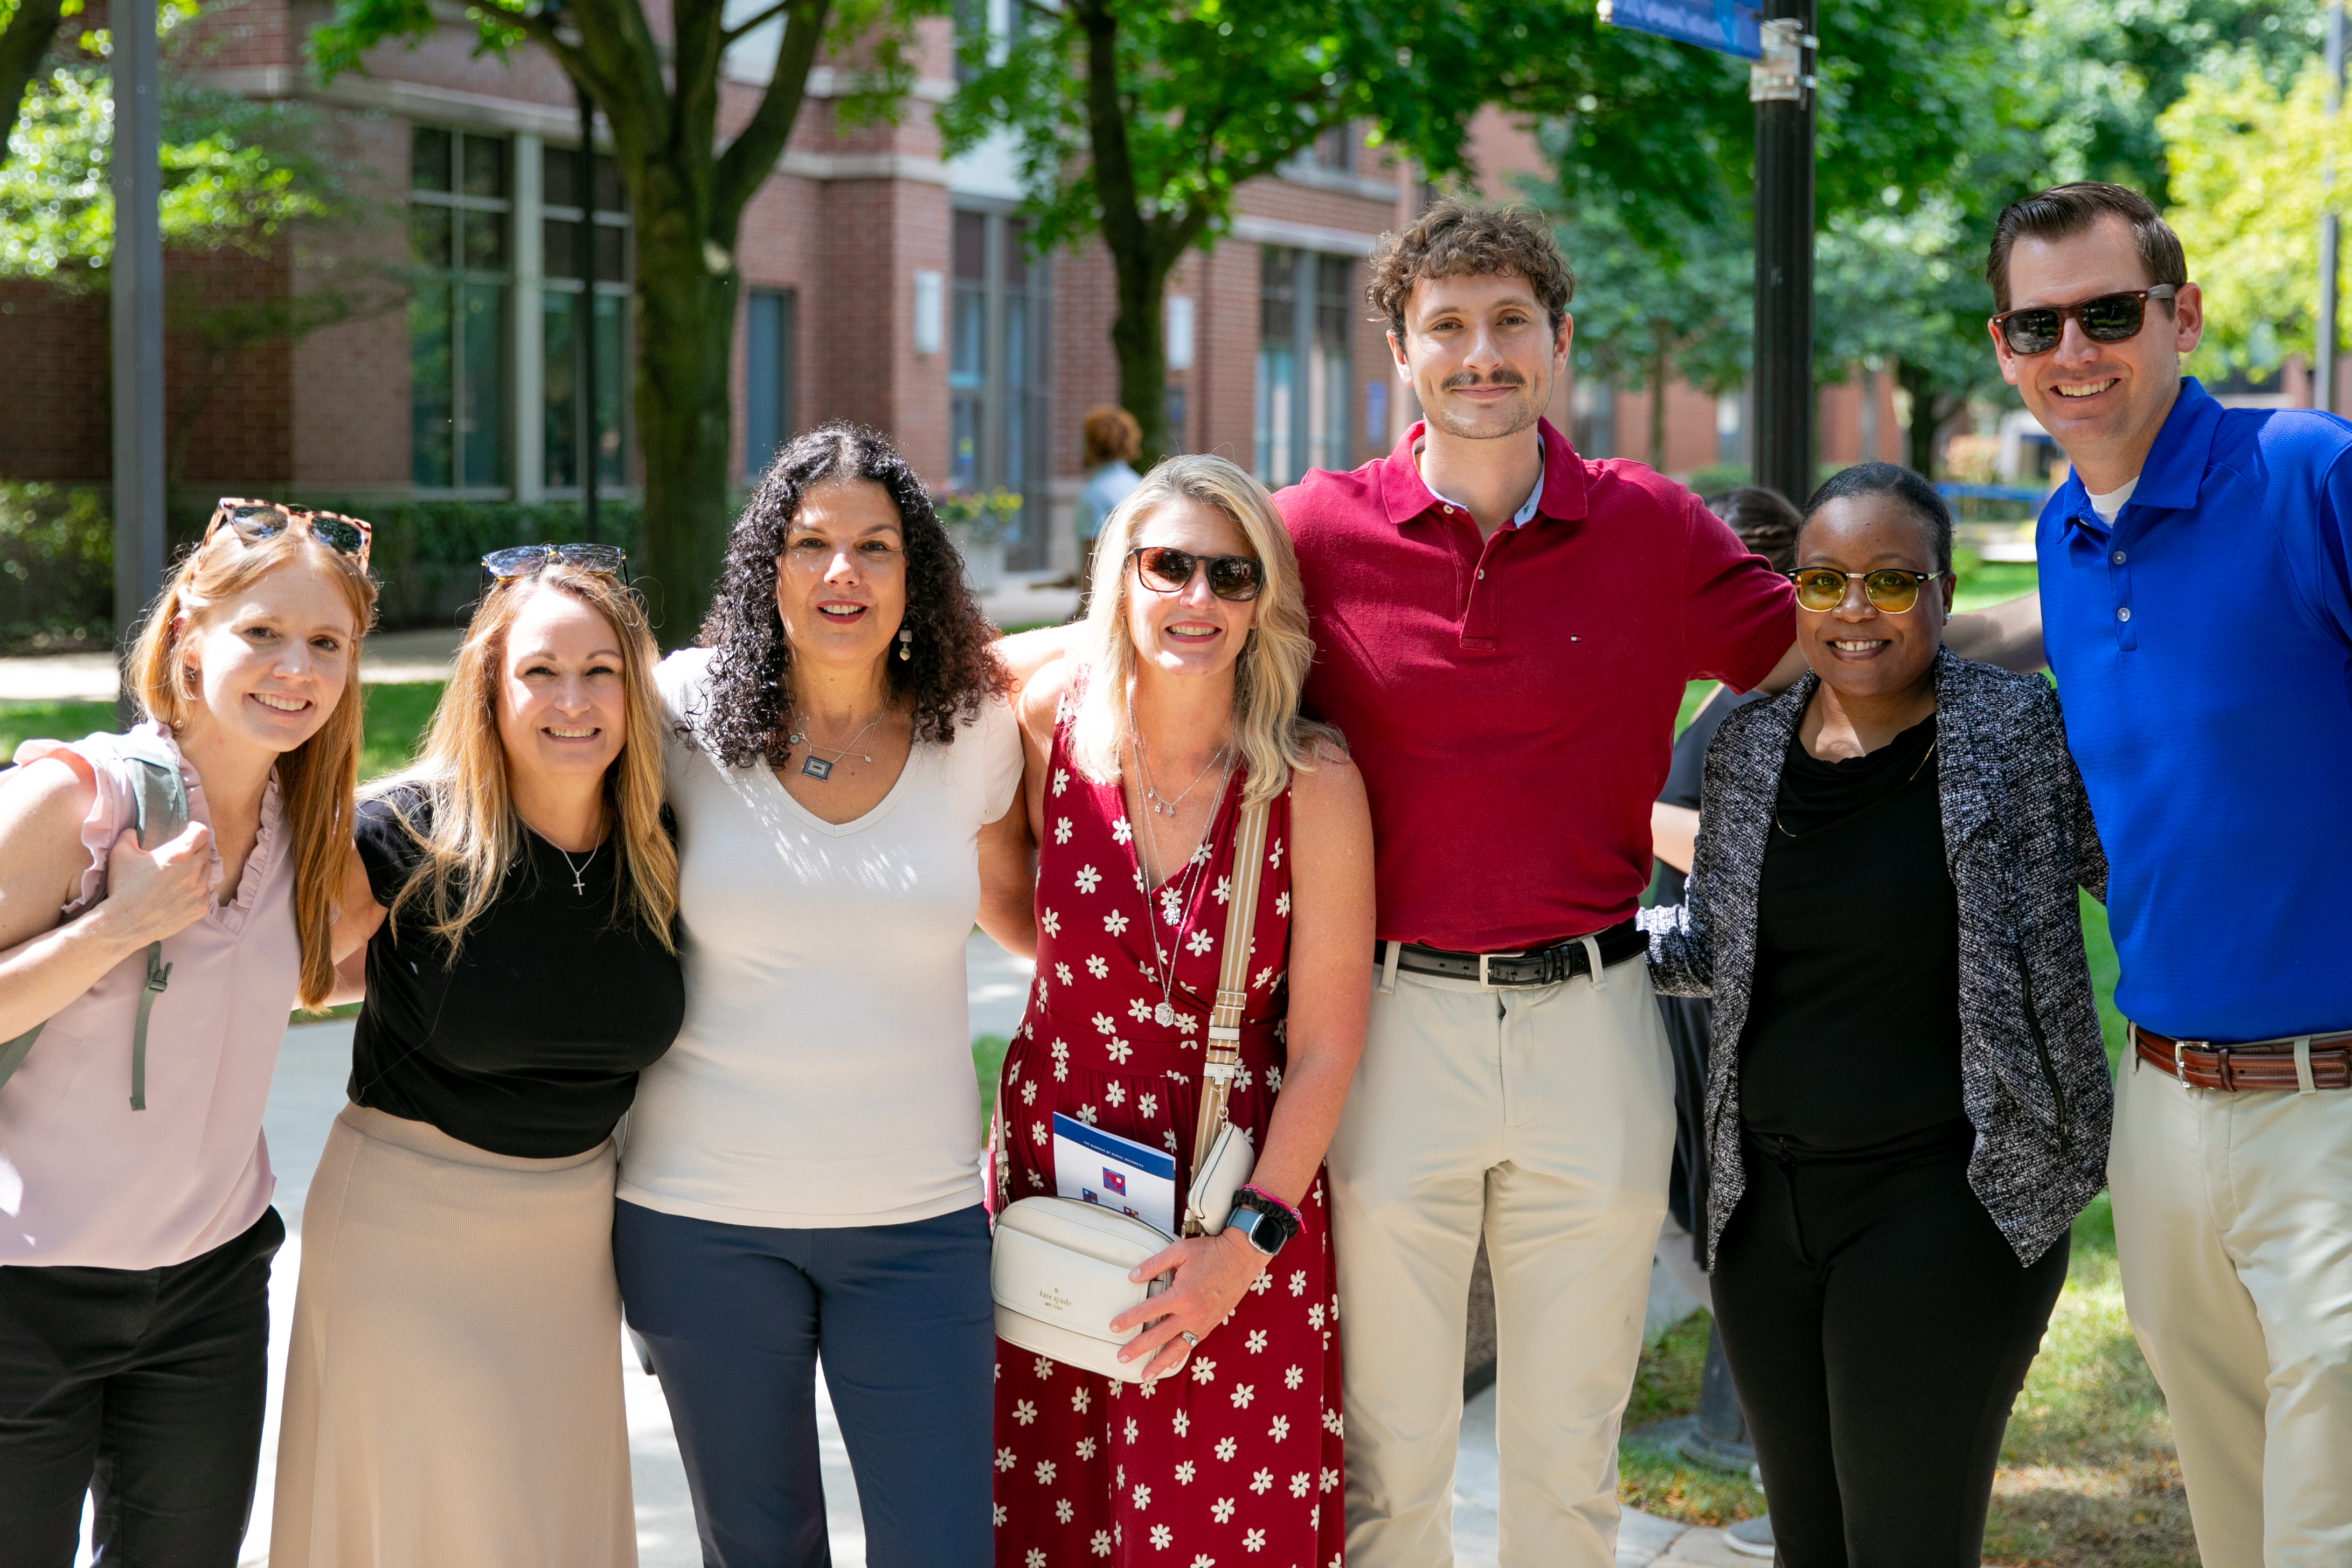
<point x="1511" y="701"/>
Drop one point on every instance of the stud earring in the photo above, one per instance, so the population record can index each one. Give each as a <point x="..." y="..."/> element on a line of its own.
<point x="905" y="642"/>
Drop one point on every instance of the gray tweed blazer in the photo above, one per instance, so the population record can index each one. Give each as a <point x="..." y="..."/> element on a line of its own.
<point x="2019" y="838"/>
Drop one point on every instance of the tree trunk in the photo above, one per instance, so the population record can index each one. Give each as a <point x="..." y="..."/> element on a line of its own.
<point x="1136" y="337"/>
<point x="686" y="329"/>
<point x="26" y="37"/>
<point x="1927" y="419"/>
<point x="1662" y="336"/>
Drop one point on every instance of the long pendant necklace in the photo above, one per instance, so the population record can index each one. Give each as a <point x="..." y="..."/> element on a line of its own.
<point x="1176" y="903"/>
<point x="817" y="767"/>
<point x="579" y="872"/>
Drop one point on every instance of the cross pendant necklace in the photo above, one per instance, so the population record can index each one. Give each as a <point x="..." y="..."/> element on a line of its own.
<point x="579" y="872"/>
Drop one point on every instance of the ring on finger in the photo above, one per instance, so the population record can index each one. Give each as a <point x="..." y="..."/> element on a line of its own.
<point x="1189" y="1337"/>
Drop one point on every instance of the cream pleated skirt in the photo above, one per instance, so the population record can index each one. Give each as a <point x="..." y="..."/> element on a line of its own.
<point x="453" y="1387"/>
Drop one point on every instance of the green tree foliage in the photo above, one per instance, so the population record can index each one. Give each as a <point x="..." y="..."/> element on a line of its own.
<point x="1138" y="121"/>
<point x="2248" y="165"/>
<point x="654" y="70"/>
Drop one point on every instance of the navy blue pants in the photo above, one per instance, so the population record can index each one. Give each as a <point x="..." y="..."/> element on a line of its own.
<point x="736" y="1316"/>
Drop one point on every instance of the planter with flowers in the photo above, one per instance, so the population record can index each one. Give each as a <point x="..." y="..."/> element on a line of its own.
<point x="978" y="521"/>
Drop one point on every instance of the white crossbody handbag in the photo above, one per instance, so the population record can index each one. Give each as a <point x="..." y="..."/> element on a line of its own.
<point x="1059" y="1268"/>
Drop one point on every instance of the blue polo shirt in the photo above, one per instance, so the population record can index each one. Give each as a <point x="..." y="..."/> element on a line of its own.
<point x="2204" y="647"/>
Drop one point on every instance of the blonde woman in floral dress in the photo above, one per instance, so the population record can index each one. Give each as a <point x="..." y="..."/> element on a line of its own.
<point x="1178" y="706"/>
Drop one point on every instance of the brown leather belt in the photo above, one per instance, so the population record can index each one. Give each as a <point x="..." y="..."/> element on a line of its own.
<point x="2305" y="1062"/>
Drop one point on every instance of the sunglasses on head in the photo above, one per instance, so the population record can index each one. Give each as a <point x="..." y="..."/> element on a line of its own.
<point x="1890" y="588"/>
<point x="2109" y="318"/>
<point x="254" y="520"/>
<point x="1164" y="569"/>
<point x="523" y="559"/>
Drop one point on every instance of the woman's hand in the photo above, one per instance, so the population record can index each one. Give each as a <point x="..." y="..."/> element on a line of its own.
<point x="1212" y="1274"/>
<point x="152" y="896"/>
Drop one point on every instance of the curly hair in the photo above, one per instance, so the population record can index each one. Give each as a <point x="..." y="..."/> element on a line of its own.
<point x="954" y="668"/>
<point x="1454" y="239"/>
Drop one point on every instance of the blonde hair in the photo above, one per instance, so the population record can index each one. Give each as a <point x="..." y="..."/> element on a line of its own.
<point x="1271" y="671"/>
<point x="316" y="780"/>
<point x="476" y="835"/>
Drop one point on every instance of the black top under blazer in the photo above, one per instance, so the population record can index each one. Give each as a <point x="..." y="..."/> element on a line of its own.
<point x="2019" y="838"/>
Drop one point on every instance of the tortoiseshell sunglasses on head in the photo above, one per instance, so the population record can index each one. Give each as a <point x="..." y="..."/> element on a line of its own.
<point x="254" y="520"/>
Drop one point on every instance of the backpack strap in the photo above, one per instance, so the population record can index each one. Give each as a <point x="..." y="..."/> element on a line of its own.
<point x="159" y="797"/>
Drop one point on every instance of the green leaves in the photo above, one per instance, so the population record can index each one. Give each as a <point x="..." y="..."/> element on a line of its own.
<point x="237" y="172"/>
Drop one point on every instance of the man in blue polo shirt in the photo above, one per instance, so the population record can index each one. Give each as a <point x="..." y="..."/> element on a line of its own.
<point x="2196" y="609"/>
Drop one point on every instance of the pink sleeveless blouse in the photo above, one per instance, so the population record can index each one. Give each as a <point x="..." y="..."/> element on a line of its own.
<point x="84" y="1179"/>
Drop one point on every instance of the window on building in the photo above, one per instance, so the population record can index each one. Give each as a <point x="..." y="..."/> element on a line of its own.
<point x="1302" y="380"/>
<point x="460" y="219"/>
<point x="998" y="311"/>
<point x="1335" y="149"/>
<point x="768" y="368"/>
<point x="612" y="263"/>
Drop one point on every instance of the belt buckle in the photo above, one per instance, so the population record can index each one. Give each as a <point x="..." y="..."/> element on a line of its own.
<point x="1486" y="985"/>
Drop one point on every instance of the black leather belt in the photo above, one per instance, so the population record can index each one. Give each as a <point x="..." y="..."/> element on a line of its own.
<point x="1529" y="966"/>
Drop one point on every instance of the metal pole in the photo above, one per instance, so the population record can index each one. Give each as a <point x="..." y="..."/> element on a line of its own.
<point x="137" y="282"/>
<point x="1783" y="89"/>
<point x="584" y="319"/>
<point x="2323" y="354"/>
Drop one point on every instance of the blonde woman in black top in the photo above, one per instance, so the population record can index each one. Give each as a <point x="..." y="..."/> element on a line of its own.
<point x="1910" y="1102"/>
<point x="453" y="1396"/>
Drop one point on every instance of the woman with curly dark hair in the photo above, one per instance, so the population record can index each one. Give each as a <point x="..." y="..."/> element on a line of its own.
<point x="801" y="1171"/>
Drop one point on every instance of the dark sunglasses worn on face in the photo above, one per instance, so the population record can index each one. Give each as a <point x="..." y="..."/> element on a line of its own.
<point x="1891" y="588"/>
<point x="2109" y="318"/>
<point x="523" y="559"/>
<point x="254" y="520"/>
<point x="1166" y="570"/>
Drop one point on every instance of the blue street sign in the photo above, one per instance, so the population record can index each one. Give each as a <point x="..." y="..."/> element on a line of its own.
<point x="1727" y="27"/>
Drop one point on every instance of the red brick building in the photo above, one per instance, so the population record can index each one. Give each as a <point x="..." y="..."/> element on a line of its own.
<point x="880" y="283"/>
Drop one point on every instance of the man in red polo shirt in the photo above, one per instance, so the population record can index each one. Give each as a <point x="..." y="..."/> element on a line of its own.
<point x="1504" y="633"/>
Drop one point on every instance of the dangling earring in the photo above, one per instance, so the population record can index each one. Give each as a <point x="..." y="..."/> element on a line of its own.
<point x="905" y="642"/>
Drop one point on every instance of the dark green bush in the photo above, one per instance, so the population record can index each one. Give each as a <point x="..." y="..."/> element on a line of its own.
<point x="57" y="553"/>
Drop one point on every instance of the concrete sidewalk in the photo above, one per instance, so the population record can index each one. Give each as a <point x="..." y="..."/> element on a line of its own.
<point x="309" y="1090"/>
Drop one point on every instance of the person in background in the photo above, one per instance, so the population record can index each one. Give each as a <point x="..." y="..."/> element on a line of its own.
<point x="134" y="1266"/>
<point x="1180" y="707"/>
<point x="1767" y="525"/>
<point x="1913" y="1104"/>
<point x="802" y="1171"/>
<point x="1112" y="439"/>
<point x="452" y="1389"/>
<point x="2196" y="599"/>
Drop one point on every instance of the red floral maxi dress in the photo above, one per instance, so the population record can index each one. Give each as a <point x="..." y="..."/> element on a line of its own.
<point x="1237" y="1458"/>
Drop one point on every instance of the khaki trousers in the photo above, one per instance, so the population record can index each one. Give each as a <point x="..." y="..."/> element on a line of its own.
<point x="1546" y="1118"/>
<point x="2233" y="1232"/>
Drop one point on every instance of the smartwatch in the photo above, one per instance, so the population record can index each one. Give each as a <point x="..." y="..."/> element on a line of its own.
<point x="1266" y="1223"/>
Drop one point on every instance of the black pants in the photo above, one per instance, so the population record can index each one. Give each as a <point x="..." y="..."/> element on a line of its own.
<point x="144" y="1388"/>
<point x="1878" y="1328"/>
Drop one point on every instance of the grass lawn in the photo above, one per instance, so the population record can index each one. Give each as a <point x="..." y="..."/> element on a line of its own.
<point x="396" y="716"/>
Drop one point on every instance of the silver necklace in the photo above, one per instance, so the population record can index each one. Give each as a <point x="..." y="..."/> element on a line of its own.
<point x="817" y="767"/>
<point x="579" y="872"/>
<point x="1914" y="773"/>
<point x="1175" y="902"/>
<point x="1152" y="799"/>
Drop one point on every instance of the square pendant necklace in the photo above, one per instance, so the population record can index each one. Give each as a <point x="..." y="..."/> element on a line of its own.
<point x="817" y="767"/>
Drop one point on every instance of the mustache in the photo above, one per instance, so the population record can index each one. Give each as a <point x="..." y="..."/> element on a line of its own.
<point x="1502" y="377"/>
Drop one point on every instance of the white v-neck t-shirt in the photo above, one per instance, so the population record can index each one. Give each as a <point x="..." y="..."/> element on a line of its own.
<point x="823" y="1074"/>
